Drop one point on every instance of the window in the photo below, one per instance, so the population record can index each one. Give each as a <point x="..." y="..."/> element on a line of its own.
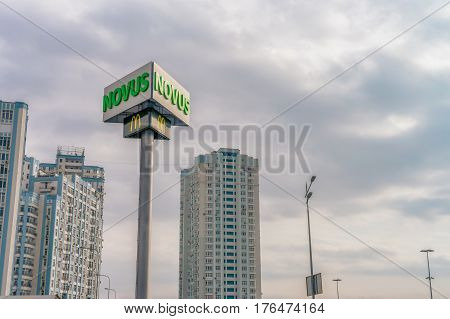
<point x="7" y="116"/>
<point x="3" y="169"/>
<point x="5" y="141"/>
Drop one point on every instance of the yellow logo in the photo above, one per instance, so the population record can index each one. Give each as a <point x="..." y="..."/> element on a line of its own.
<point x="161" y="122"/>
<point x="136" y="122"/>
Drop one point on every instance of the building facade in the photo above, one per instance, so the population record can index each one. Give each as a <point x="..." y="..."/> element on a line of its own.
<point x="220" y="228"/>
<point x="59" y="236"/>
<point x="13" y="128"/>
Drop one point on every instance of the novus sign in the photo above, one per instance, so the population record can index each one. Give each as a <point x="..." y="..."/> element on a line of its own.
<point x="147" y="102"/>
<point x="150" y="84"/>
<point x="122" y="93"/>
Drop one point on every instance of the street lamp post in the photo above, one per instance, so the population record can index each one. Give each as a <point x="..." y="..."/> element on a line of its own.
<point x="429" y="272"/>
<point x="113" y="290"/>
<point x="308" y="195"/>
<point x="337" y="280"/>
<point x="109" y="282"/>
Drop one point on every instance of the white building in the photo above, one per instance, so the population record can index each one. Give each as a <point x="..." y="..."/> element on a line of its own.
<point x="219" y="228"/>
<point x="13" y="127"/>
<point x="59" y="238"/>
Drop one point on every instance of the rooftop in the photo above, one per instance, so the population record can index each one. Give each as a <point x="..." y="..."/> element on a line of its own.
<point x="70" y="151"/>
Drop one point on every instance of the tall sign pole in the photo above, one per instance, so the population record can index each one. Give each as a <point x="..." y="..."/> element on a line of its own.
<point x="148" y="102"/>
<point x="145" y="217"/>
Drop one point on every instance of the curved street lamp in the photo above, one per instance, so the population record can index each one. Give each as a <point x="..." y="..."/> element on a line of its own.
<point x="308" y="195"/>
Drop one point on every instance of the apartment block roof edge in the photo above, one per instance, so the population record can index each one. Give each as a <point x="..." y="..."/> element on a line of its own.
<point x="65" y="150"/>
<point x="17" y="104"/>
<point x="226" y="151"/>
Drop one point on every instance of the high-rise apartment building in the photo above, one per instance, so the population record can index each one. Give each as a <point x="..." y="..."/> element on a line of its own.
<point x="219" y="228"/>
<point x="13" y="127"/>
<point x="59" y="237"/>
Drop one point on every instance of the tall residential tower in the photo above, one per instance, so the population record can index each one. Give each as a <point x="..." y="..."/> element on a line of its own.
<point x="13" y="128"/>
<point x="219" y="228"/>
<point x="59" y="237"/>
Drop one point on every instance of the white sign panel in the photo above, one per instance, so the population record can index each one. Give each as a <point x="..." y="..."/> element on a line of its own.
<point x="147" y="87"/>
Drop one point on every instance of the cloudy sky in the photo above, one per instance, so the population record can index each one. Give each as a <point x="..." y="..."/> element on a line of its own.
<point x="379" y="140"/>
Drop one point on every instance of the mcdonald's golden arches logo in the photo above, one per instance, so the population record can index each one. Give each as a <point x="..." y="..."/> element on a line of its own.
<point x="135" y="122"/>
<point x="161" y="122"/>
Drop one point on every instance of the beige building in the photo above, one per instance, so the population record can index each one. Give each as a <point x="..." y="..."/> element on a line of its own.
<point x="219" y="228"/>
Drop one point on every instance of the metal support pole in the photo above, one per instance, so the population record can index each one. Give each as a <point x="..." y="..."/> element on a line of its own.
<point x="113" y="290"/>
<point x="429" y="271"/>
<point x="310" y="250"/>
<point x="337" y="280"/>
<point x="337" y="288"/>
<point x="145" y="216"/>
<point x="429" y="276"/>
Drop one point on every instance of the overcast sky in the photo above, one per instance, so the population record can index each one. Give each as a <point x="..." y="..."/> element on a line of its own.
<point x="379" y="141"/>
